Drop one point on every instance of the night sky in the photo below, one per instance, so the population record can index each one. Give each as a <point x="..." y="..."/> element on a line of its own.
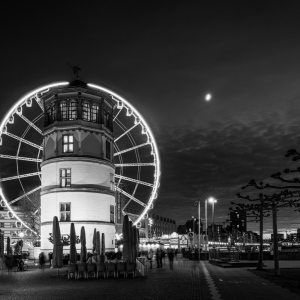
<point x="164" y="58"/>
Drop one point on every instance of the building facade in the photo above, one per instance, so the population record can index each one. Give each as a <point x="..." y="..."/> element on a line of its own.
<point x="160" y="226"/>
<point x="77" y="168"/>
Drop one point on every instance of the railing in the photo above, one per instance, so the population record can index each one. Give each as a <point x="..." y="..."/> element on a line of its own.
<point x="141" y="266"/>
<point x="230" y="255"/>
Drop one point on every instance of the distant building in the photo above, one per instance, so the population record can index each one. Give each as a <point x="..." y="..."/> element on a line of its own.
<point x="11" y="227"/>
<point x="238" y="221"/>
<point x="280" y="236"/>
<point x="160" y="225"/>
<point x="193" y="225"/>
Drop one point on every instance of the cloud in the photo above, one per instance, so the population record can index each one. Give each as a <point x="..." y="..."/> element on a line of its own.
<point x="221" y="157"/>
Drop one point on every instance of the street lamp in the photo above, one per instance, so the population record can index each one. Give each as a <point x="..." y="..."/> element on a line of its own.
<point x="21" y="235"/>
<point x="150" y="225"/>
<point x="212" y="201"/>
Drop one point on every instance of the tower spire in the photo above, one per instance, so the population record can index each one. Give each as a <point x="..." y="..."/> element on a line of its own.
<point x="75" y="70"/>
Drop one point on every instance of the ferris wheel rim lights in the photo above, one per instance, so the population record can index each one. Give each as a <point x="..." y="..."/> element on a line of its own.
<point x="130" y="108"/>
<point x="14" y="109"/>
<point x="152" y="141"/>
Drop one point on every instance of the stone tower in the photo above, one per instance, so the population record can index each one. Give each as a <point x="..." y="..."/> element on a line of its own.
<point x="77" y="168"/>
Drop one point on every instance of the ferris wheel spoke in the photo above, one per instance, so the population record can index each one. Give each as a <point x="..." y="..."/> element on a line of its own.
<point x="20" y="176"/>
<point x="24" y="195"/>
<point x="117" y="114"/>
<point x="39" y="102"/>
<point x="20" y="158"/>
<point x="31" y="124"/>
<point x="133" y="180"/>
<point x="124" y="207"/>
<point x="124" y="133"/>
<point x="23" y="140"/>
<point x="132" y="148"/>
<point x="131" y="197"/>
<point x="135" y="165"/>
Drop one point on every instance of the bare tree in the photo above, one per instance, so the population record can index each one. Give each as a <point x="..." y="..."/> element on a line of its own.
<point x="30" y="208"/>
<point x="271" y="199"/>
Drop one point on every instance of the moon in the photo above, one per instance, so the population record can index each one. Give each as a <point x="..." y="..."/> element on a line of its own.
<point x="207" y="97"/>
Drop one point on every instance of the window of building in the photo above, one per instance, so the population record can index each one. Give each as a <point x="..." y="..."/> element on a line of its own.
<point x="112" y="214"/>
<point x="95" y="113"/>
<point x="72" y="110"/>
<point x="65" y="177"/>
<point x="65" y="211"/>
<point x="1" y="225"/>
<point x="68" y="143"/>
<point x="86" y="111"/>
<point x="63" y="110"/>
<point x="108" y="154"/>
<point x="112" y="182"/>
<point x="51" y="113"/>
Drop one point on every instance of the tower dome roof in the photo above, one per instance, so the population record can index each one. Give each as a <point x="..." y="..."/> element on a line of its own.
<point x="77" y="83"/>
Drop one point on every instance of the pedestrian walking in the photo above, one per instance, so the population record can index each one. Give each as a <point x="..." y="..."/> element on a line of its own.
<point x="42" y="260"/>
<point x="171" y="257"/>
<point x="50" y="255"/>
<point x="159" y="258"/>
<point x="149" y="257"/>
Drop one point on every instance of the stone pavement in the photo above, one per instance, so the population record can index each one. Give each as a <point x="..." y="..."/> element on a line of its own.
<point x="186" y="280"/>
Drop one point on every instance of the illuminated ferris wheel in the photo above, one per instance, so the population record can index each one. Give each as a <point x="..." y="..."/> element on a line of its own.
<point x="136" y="155"/>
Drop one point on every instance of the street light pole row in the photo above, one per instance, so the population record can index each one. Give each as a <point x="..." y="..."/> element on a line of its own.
<point x="212" y="201"/>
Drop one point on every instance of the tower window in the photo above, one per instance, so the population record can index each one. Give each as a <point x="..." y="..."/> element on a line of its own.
<point x="108" y="154"/>
<point x="112" y="214"/>
<point x="65" y="211"/>
<point x="68" y="143"/>
<point x="86" y="111"/>
<point x="95" y="113"/>
<point x="63" y="110"/>
<point x="72" y="110"/>
<point x="65" y="177"/>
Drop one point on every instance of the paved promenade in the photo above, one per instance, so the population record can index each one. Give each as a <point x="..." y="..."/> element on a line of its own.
<point x="186" y="280"/>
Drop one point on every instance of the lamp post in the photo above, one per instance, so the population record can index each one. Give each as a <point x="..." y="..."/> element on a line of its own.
<point x="21" y="235"/>
<point x="199" y="226"/>
<point x="212" y="201"/>
<point x="150" y="225"/>
<point x="193" y="232"/>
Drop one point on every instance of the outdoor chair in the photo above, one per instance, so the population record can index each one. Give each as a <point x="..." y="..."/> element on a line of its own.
<point x="91" y="269"/>
<point x="130" y="268"/>
<point x="101" y="267"/>
<point x="72" y="270"/>
<point x="111" y="267"/>
<point x="121" y="268"/>
<point x="81" y="268"/>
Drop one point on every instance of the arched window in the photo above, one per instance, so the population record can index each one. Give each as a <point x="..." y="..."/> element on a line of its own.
<point x="95" y="113"/>
<point x="86" y="111"/>
<point x="72" y="110"/>
<point x="63" y="110"/>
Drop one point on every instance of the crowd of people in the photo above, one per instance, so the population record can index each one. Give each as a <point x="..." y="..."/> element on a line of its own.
<point x="160" y="255"/>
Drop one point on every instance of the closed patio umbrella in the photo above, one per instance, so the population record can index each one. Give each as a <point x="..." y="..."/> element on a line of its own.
<point x="94" y="240"/>
<point x="8" y="245"/>
<point x="134" y="238"/>
<point x="83" y="245"/>
<point x="131" y="241"/>
<point x="73" y="252"/>
<point x="102" y="258"/>
<point x="126" y="240"/>
<point x="98" y="246"/>
<point x="57" y="245"/>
